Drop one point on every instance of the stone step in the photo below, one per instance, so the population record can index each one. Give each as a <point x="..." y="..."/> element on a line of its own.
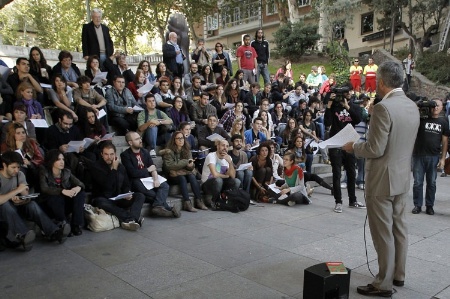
<point x="320" y="168"/>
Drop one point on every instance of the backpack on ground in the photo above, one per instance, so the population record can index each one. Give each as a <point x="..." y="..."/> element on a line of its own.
<point x="233" y="200"/>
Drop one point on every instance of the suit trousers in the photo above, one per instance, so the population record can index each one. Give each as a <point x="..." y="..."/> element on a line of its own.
<point x="387" y="222"/>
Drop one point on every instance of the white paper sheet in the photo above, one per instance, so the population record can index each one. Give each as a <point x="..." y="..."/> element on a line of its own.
<point x="120" y="196"/>
<point x="146" y="88"/>
<point x="39" y="123"/>
<point x="74" y="146"/>
<point x="148" y="182"/>
<point x="229" y="105"/>
<point x="138" y="108"/>
<point x="99" y="77"/>
<point x="43" y="85"/>
<point x="101" y="113"/>
<point x="274" y="188"/>
<point x="244" y="166"/>
<point x="347" y="134"/>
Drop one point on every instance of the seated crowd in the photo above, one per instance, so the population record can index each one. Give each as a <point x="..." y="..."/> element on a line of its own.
<point x="215" y="133"/>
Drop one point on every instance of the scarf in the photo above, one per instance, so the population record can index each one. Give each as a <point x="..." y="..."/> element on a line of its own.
<point x="31" y="108"/>
<point x="291" y="175"/>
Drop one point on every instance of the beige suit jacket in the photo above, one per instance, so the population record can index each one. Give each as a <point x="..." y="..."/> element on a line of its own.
<point x="388" y="149"/>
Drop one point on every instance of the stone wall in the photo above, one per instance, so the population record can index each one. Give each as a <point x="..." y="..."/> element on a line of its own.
<point x="420" y="85"/>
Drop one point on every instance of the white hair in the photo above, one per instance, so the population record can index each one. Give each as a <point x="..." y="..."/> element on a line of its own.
<point x="96" y="10"/>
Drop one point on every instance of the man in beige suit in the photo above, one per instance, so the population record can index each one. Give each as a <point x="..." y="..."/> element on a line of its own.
<point x="388" y="149"/>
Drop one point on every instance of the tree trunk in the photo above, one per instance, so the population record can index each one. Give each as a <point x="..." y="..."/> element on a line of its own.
<point x="394" y="14"/>
<point x="124" y="41"/>
<point x="294" y="16"/>
<point x="324" y="29"/>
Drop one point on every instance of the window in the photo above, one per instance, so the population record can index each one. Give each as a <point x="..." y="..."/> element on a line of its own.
<point x="212" y="22"/>
<point x="232" y="16"/>
<point x="367" y="23"/>
<point x="303" y="2"/>
<point x="271" y="9"/>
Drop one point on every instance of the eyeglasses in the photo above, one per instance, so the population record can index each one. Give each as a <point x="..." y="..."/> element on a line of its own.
<point x="179" y="138"/>
<point x="219" y="46"/>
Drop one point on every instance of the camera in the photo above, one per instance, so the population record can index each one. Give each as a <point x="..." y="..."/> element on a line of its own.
<point x="425" y="106"/>
<point x="339" y="91"/>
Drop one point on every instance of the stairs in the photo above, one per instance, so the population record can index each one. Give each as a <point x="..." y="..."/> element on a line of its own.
<point x="444" y="33"/>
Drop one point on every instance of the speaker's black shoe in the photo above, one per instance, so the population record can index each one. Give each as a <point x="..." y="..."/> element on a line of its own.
<point x="430" y="211"/>
<point x="370" y="290"/>
<point x="398" y="283"/>
<point x="416" y="210"/>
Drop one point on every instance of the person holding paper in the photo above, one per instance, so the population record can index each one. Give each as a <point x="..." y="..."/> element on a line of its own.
<point x="93" y="69"/>
<point x="239" y="157"/>
<point x="388" y="150"/>
<point x="138" y="82"/>
<point x="254" y="136"/>
<point x="208" y="130"/>
<point x="85" y="96"/>
<point x="218" y="173"/>
<point x="62" y="192"/>
<point x="110" y="180"/>
<point x="120" y="103"/>
<point x="339" y="112"/>
<point x="14" y="211"/>
<point x="146" y="67"/>
<point x="180" y="167"/>
<point x="139" y="165"/>
<point x="17" y="140"/>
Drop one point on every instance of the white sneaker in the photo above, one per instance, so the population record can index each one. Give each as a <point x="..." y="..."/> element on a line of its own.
<point x="152" y="153"/>
<point x="343" y="185"/>
<point x="130" y="225"/>
<point x="361" y="186"/>
<point x="338" y="208"/>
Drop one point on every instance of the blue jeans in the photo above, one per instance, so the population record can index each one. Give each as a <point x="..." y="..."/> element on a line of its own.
<point x="182" y="180"/>
<point x="308" y="162"/>
<point x="151" y="136"/>
<point x="424" y="166"/>
<point x="263" y="70"/>
<point x="245" y="176"/>
<point x="14" y="216"/>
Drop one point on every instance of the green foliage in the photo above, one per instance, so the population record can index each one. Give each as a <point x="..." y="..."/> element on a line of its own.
<point x="402" y="53"/>
<point x="340" y="61"/>
<point x="293" y="40"/>
<point x="434" y="66"/>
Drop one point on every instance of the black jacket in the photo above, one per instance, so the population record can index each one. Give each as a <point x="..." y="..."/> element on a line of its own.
<point x="130" y="163"/>
<point x="108" y="182"/>
<point x="338" y="117"/>
<point x="90" y="42"/>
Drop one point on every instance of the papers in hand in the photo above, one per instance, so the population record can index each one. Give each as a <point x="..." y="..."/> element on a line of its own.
<point x="101" y="113"/>
<point x="29" y="196"/>
<point x="39" y="123"/>
<point x="120" y="196"/>
<point x="229" y="105"/>
<point x="347" y="134"/>
<point x="200" y="151"/>
<point x="43" y="85"/>
<point x="146" y="88"/>
<point x="108" y="136"/>
<point x="244" y="166"/>
<point x="274" y="188"/>
<point x="215" y="137"/>
<point x="137" y="108"/>
<point x="74" y="146"/>
<point x="99" y="77"/>
<point x="148" y="182"/>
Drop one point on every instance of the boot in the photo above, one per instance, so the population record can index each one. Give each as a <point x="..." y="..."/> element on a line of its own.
<point x="161" y="212"/>
<point x="199" y="204"/>
<point x="207" y="200"/>
<point x="187" y="206"/>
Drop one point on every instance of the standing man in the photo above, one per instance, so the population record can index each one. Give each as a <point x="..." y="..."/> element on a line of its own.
<point x="261" y="47"/>
<point x="246" y="58"/>
<point x="428" y="155"/>
<point x="339" y="112"/>
<point x="370" y="71"/>
<point x="110" y="179"/>
<point x="139" y="165"/>
<point x="173" y="56"/>
<point x="200" y="55"/>
<point x="96" y="39"/>
<point x="388" y="151"/>
<point x="355" y="75"/>
<point x="408" y="65"/>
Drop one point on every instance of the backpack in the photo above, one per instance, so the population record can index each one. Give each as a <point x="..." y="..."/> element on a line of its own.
<point x="233" y="200"/>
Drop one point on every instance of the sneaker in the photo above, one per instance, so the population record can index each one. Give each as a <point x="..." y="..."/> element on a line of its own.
<point x="141" y="221"/>
<point x="291" y="203"/>
<point x="357" y="205"/>
<point x="343" y="185"/>
<point x="309" y="190"/>
<point x="443" y="175"/>
<point x="361" y="186"/>
<point x="152" y="153"/>
<point x="338" y="208"/>
<point x="130" y="225"/>
<point x="27" y="240"/>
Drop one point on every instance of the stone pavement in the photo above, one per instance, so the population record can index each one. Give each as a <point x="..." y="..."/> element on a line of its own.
<point x="260" y="253"/>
